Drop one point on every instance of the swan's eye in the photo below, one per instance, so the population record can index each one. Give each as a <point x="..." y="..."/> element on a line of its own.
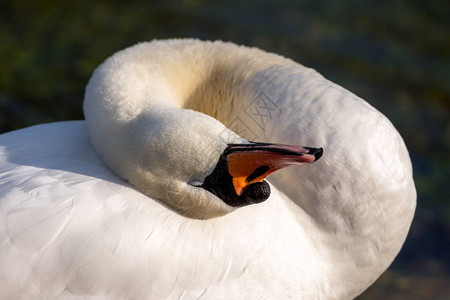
<point x="195" y="183"/>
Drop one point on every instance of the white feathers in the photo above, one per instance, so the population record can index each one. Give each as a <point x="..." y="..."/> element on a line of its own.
<point x="72" y="229"/>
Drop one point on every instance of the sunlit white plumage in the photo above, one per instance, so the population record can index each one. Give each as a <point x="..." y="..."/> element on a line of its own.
<point x="72" y="229"/>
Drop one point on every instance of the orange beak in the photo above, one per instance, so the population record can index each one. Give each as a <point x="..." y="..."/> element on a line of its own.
<point x="250" y="163"/>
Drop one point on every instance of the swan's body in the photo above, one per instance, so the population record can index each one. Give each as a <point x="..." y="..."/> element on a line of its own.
<point x="71" y="228"/>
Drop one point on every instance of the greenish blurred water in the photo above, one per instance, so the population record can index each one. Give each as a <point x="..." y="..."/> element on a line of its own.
<point x="395" y="54"/>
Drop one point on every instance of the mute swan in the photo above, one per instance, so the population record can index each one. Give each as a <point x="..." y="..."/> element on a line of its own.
<point x="70" y="228"/>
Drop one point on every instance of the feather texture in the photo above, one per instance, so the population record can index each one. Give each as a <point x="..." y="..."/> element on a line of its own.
<point x="70" y="228"/>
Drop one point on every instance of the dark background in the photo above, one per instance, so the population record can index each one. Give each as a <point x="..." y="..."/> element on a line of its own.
<point x="395" y="54"/>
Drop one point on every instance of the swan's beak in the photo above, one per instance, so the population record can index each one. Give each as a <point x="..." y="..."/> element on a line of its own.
<point x="250" y="163"/>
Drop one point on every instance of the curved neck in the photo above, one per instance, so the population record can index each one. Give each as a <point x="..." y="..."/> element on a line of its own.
<point x="359" y="197"/>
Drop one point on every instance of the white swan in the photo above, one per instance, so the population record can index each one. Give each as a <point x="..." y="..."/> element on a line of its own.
<point x="72" y="229"/>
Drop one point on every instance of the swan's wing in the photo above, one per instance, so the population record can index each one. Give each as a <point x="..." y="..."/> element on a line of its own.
<point x="71" y="228"/>
<point x="64" y="216"/>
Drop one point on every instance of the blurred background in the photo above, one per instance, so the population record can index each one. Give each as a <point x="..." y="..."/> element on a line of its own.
<point x="395" y="54"/>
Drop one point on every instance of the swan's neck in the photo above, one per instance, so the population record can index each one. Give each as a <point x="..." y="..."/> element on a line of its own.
<point x="357" y="201"/>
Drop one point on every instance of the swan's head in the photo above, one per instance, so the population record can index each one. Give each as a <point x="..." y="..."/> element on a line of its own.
<point x="238" y="177"/>
<point x="195" y="165"/>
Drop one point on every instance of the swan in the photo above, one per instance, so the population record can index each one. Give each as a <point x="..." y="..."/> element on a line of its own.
<point x="162" y="193"/>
